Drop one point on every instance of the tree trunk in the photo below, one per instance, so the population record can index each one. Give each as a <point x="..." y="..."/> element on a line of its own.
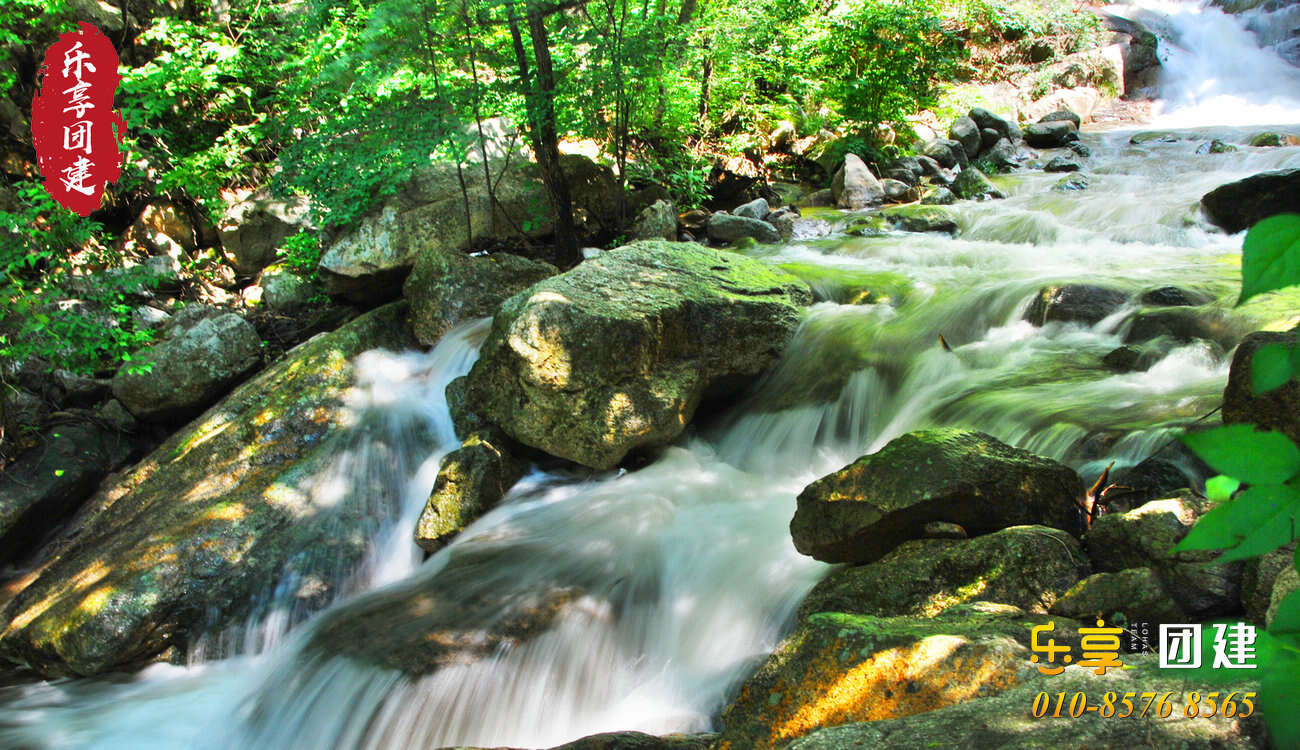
<point x="546" y="139"/>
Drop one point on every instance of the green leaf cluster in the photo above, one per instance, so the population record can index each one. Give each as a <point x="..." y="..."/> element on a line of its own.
<point x="1262" y="517"/>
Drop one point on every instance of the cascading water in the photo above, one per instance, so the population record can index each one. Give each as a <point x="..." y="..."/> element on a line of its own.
<point x="616" y="601"/>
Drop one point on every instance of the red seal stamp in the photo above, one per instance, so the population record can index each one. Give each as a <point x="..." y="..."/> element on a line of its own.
<point x="77" y="133"/>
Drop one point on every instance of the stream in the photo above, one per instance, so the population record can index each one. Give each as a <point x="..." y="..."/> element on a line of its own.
<point x="681" y="576"/>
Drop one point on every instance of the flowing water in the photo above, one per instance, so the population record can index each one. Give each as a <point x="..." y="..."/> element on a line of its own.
<point x="663" y="586"/>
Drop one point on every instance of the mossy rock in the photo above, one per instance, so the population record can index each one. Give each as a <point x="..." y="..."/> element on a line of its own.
<point x="861" y="512"/>
<point x="619" y="352"/>
<point x="922" y="218"/>
<point x="1005" y="721"/>
<point x="840" y="669"/>
<point x="1023" y="566"/>
<point x="194" y="533"/>
<point x="449" y="287"/>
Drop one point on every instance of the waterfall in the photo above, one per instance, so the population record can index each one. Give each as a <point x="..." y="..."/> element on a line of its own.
<point x="590" y="602"/>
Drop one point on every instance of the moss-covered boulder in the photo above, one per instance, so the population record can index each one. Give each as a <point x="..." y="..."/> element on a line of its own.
<point x="1278" y="409"/>
<point x="861" y="512"/>
<point x="1132" y="595"/>
<point x="1145" y="537"/>
<point x="471" y="480"/>
<point x="840" y="669"/>
<point x="618" y="353"/>
<point x="203" y="525"/>
<point x="1237" y="205"/>
<point x="1005" y="721"/>
<point x="928" y="218"/>
<point x="1023" y="566"/>
<point x="972" y="184"/>
<point x="448" y="287"/>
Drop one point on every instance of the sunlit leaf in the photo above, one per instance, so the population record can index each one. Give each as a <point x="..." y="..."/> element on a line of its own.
<point x="1241" y="451"/>
<point x="1270" y="256"/>
<point x="1287" y="619"/>
<point x="1220" y="488"/>
<point x="1254" y="523"/>
<point x="1270" y="368"/>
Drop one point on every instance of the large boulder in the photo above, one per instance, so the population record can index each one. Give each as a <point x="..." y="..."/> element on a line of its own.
<point x="948" y="154"/>
<point x="179" y="377"/>
<point x="1074" y="303"/>
<point x="369" y="262"/>
<point x="861" y="512"/>
<point x="1022" y="566"/>
<point x="729" y="228"/>
<point x="1238" y="205"/>
<point x="973" y="184"/>
<point x="202" y="528"/>
<point x="965" y="131"/>
<point x="449" y="287"/>
<point x="1132" y="595"/>
<point x="1145" y="537"/>
<point x="840" y="669"/>
<point x="854" y="186"/>
<point x="253" y="229"/>
<point x="618" y="353"/>
<point x="1278" y="409"/>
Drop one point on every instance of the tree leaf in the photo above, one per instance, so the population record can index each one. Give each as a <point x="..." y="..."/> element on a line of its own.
<point x="1250" y="455"/>
<point x="1220" y="488"/>
<point x="1287" y="619"/>
<point x="1270" y="256"/>
<point x="1258" y="521"/>
<point x="1270" y="368"/>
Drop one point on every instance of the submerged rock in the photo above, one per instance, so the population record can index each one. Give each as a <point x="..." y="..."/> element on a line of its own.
<point x="206" y="522"/>
<point x="1072" y="182"/>
<point x="1062" y="164"/>
<point x="1074" y="303"/>
<point x="1215" y="146"/>
<point x="922" y="219"/>
<point x="618" y="353"/>
<point x="1183" y="324"/>
<point x="863" y="511"/>
<point x="1238" y="205"/>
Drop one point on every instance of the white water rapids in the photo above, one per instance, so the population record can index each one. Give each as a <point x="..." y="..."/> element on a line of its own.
<point x="682" y="574"/>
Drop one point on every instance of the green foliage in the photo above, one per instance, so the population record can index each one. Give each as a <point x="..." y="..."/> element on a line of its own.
<point x="882" y="60"/>
<point x="1270" y="256"/>
<point x="1263" y="517"/>
<point x="29" y="22"/>
<point x="52" y="307"/>
<point x="301" y="254"/>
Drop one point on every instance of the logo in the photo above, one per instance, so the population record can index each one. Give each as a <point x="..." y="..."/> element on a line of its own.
<point x="77" y="133"/>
